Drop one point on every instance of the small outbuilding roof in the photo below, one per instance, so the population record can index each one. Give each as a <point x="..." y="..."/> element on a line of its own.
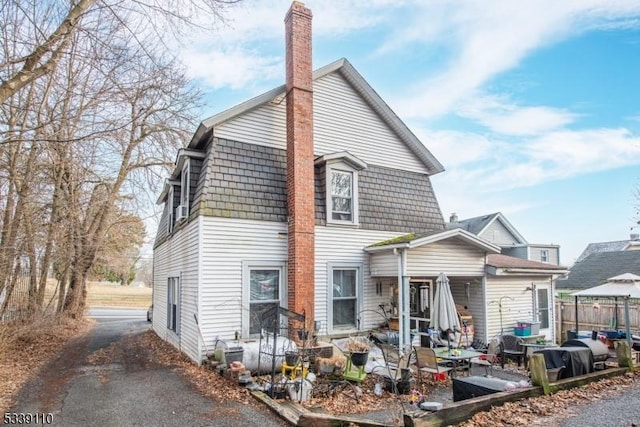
<point x="625" y="285"/>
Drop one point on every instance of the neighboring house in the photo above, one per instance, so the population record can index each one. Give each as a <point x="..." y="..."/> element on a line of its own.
<point x="281" y="200"/>
<point x="498" y="230"/>
<point x="619" y="245"/>
<point x="597" y="267"/>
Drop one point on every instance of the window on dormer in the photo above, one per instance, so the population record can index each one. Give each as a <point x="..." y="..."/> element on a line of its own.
<point x="341" y="187"/>
<point x="184" y="189"/>
<point x="342" y="195"/>
<point x="170" y="211"/>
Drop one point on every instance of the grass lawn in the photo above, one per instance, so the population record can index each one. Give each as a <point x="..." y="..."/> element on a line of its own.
<point x="110" y="295"/>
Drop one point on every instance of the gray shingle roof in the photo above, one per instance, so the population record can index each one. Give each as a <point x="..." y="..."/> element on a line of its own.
<point x="596" y="268"/>
<point x="602" y="247"/>
<point x="474" y="225"/>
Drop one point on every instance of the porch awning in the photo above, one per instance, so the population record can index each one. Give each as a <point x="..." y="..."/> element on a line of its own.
<point x="414" y="240"/>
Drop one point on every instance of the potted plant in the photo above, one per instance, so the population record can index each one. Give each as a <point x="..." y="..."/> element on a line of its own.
<point x="291" y="358"/>
<point x="359" y="351"/>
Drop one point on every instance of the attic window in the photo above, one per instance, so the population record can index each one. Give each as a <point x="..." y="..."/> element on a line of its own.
<point x="342" y="187"/>
<point x="183" y="209"/>
<point x="342" y="191"/>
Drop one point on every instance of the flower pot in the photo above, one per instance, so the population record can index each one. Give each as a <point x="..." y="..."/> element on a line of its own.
<point x="291" y="358"/>
<point x="359" y="359"/>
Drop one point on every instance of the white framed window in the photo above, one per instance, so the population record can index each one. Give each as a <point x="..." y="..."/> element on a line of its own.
<point x="173" y="304"/>
<point x="170" y="215"/>
<point x="185" y="186"/>
<point x="264" y="289"/>
<point x="345" y="290"/>
<point x="544" y="255"/>
<point x="342" y="194"/>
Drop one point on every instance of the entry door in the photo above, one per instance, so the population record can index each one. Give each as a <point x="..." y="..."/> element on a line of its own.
<point x="542" y="301"/>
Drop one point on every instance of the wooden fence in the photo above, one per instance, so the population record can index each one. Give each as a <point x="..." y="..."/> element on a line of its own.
<point x="595" y="315"/>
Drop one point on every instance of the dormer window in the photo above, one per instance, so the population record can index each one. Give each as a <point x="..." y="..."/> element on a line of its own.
<point x="170" y="211"/>
<point x="341" y="180"/>
<point x="341" y="188"/>
<point x="183" y="209"/>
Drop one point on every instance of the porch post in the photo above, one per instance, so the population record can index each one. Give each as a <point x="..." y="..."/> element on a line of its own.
<point x="406" y="311"/>
<point x="399" y="252"/>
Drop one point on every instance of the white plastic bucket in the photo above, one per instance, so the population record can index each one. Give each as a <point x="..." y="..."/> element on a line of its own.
<point x="300" y="391"/>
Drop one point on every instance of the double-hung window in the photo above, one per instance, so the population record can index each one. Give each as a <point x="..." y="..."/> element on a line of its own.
<point x="341" y="187"/>
<point x="544" y="255"/>
<point x="185" y="189"/>
<point x="264" y="290"/>
<point x="341" y="195"/>
<point x="170" y="211"/>
<point x="173" y="304"/>
<point x="345" y="295"/>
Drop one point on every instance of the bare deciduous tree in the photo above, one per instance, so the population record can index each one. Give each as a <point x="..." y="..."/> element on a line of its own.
<point x="91" y="102"/>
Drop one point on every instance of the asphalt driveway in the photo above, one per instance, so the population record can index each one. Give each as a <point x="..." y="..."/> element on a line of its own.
<point x="79" y="388"/>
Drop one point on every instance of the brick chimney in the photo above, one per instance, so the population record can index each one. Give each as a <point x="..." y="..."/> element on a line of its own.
<point x="300" y="166"/>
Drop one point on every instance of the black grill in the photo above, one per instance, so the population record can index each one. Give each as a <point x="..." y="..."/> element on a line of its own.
<point x="598" y="349"/>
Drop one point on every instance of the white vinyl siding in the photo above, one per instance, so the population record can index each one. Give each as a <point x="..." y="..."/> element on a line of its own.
<point x="384" y="264"/>
<point x="521" y="308"/>
<point x="342" y="121"/>
<point x="535" y="254"/>
<point x="178" y="257"/>
<point x="475" y="302"/>
<point x="499" y="234"/>
<point x="227" y="243"/>
<point x="346" y="247"/>
<point x="452" y="257"/>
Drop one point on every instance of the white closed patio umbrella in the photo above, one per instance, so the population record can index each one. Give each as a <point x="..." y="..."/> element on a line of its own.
<point x="444" y="316"/>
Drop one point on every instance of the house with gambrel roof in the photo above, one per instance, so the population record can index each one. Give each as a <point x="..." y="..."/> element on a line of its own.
<point x="277" y="202"/>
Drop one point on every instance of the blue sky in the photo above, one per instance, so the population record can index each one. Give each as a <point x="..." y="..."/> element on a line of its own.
<point x="533" y="107"/>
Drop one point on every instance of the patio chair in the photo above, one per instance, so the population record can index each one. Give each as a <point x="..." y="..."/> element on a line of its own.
<point x="393" y="360"/>
<point x="512" y="348"/>
<point x="494" y="351"/>
<point x="427" y="361"/>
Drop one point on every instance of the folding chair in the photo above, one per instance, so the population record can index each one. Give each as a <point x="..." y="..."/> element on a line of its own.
<point x="427" y="361"/>
<point x="494" y="350"/>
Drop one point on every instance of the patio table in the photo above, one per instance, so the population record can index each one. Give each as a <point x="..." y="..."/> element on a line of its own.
<point x="446" y="354"/>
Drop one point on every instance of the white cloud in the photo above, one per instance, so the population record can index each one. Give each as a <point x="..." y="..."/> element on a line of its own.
<point x="481" y="165"/>
<point x="454" y="148"/>
<point x="501" y="116"/>
<point x="249" y="46"/>
<point x="488" y="37"/>
<point x="236" y="68"/>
